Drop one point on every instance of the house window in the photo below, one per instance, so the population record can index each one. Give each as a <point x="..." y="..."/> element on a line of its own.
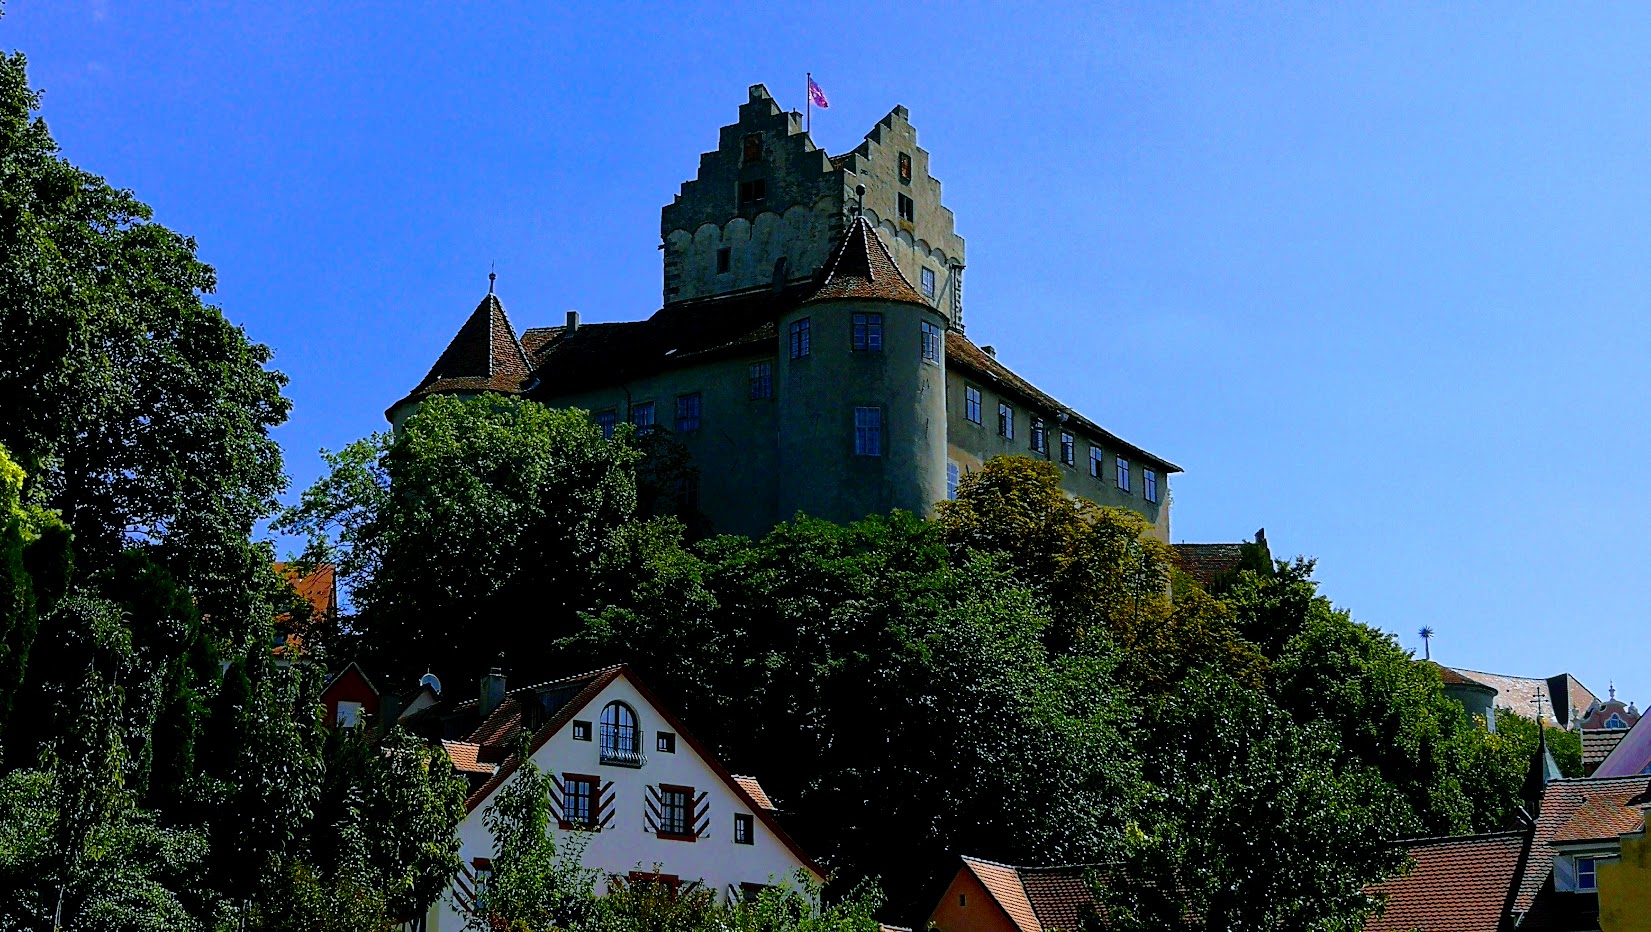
<point x="725" y="259"/>
<point x="1069" y="449"/>
<point x="674" y="805"/>
<point x="665" y="742"/>
<point x="971" y="404"/>
<point x="1040" y="437"/>
<point x="581" y="731"/>
<point x="1123" y="474"/>
<point x="953" y="477"/>
<point x="868" y="333"/>
<point x="619" y="744"/>
<point x="1097" y="462"/>
<point x="606" y="420"/>
<point x="349" y="714"/>
<point x="753" y="148"/>
<point x="905" y="168"/>
<point x="868" y="431"/>
<point x="743" y="829"/>
<point x="762" y="380"/>
<point x="1614" y="721"/>
<point x="1149" y="484"/>
<point x="926" y="277"/>
<point x="642" y="415"/>
<point x="753" y="193"/>
<point x="578" y="801"/>
<point x="799" y="338"/>
<point x="1005" y="421"/>
<point x="687" y="413"/>
<point x="1586" y="880"/>
<point x="908" y="208"/>
<point x="931" y="342"/>
<point x="670" y="882"/>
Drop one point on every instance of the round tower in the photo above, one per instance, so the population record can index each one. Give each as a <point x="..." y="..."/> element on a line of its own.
<point x="861" y="384"/>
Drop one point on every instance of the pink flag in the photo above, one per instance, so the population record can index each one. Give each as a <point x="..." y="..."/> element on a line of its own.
<point x="816" y="96"/>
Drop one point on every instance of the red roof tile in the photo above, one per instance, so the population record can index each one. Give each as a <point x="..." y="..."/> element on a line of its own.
<point x="484" y="356"/>
<point x="463" y="755"/>
<point x="319" y="587"/>
<point x="1603" y="816"/>
<point x="1598" y="745"/>
<point x="862" y="269"/>
<point x="1059" y="895"/>
<point x="1003" y="883"/>
<point x="1561" y="800"/>
<point x="1455" y="884"/>
<point x="755" y="789"/>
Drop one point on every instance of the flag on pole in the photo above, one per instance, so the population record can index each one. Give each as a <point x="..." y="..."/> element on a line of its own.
<point x="816" y="96"/>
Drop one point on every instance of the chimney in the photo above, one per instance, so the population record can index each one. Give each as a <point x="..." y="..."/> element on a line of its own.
<point x="573" y="321"/>
<point x="492" y="692"/>
<point x="990" y="351"/>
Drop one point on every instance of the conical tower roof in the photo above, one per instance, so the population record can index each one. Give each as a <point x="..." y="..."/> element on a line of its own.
<point x="484" y="356"/>
<point x="862" y="269"/>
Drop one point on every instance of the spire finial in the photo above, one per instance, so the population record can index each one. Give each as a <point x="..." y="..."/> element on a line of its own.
<point x="492" y="276"/>
<point x="1613" y="689"/>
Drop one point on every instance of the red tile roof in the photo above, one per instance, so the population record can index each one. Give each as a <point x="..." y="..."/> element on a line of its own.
<point x="1603" y="817"/>
<point x="1561" y="801"/>
<point x="463" y="755"/>
<point x="319" y="587"/>
<point x="484" y="356"/>
<point x="862" y="269"/>
<point x="1003" y="882"/>
<point x="1038" y="899"/>
<point x="755" y="789"/>
<point x="1459" y="884"/>
<point x="1598" y="745"/>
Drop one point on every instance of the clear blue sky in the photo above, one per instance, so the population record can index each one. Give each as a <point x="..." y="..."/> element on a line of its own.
<point x="1377" y="280"/>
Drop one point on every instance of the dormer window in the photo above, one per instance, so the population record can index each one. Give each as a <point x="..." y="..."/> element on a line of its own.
<point x="1586" y="879"/>
<point x="1615" y="721"/>
<point x="752" y="149"/>
<point x="753" y="193"/>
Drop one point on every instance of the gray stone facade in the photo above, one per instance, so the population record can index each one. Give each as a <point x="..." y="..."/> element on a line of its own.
<point x="772" y="236"/>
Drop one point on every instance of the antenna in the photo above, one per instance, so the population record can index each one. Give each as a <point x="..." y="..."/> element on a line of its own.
<point x="1427" y="641"/>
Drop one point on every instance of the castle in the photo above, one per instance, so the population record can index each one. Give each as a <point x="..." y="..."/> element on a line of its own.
<point x="810" y="350"/>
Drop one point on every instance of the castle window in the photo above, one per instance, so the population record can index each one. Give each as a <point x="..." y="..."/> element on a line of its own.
<point x="905" y="168"/>
<point x="753" y="193"/>
<point x="908" y="208"/>
<point x="762" y="380"/>
<point x="1040" y="437"/>
<point x="868" y="333"/>
<point x="1123" y="474"/>
<point x="931" y="342"/>
<point x="1097" y="462"/>
<point x="578" y="801"/>
<point x="642" y="415"/>
<point x="619" y="744"/>
<point x="868" y="431"/>
<point x="927" y="278"/>
<point x="799" y="338"/>
<point x="1069" y="449"/>
<point x="606" y="420"/>
<point x="753" y="148"/>
<point x="687" y="413"/>
<point x="953" y="477"/>
<point x="1586" y="878"/>
<point x="743" y="829"/>
<point x="971" y="404"/>
<point x="1149" y="484"/>
<point x="725" y="259"/>
<point x="1005" y="421"/>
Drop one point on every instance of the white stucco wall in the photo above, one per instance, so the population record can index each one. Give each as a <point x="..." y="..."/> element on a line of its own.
<point x="626" y="844"/>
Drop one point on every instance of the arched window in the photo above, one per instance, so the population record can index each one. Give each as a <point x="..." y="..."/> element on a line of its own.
<point x="619" y="740"/>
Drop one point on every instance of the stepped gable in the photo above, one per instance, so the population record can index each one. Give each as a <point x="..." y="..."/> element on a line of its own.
<point x="1562" y="800"/>
<point x="484" y="356"/>
<point x="1463" y="883"/>
<point x="862" y="269"/>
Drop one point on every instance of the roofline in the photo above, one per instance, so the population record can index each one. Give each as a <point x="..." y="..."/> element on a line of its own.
<point x="603" y="679"/>
<point x="1482" y="836"/>
<point x="1101" y="432"/>
<point x="969" y="865"/>
<point x="364" y="678"/>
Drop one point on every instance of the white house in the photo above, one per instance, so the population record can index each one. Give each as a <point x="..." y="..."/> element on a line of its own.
<point x="630" y="779"/>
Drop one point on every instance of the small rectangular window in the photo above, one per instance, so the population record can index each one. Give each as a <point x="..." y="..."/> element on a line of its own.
<point x="1040" y="437"/>
<point x="953" y="477"/>
<point x="349" y="714"/>
<point x="753" y="193"/>
<point x="1149" y="484"/>
<point x="762" y="380"/>
<point x="725" y="259"/>
<point x="606" y="420"/>
<point x="905" y="168"/>
<point x="971" y="404"/>
<point x="753" y="148"/>
<point x="908" y="209"/>
<point x="1586" y="878"/>
<point x="674" y="805"/>
<point x="927" y="279"/>
<point x="642" y="414"/>
<point x="868" y="333"/>
<point x="744" y="829"/>
<point x="868" y="431"/>
<point x="665" y="742"/>
<point x="1069" y="449"/>
<point x="931" y="342"/>
<point x="1005" y="421"/>
<point x="799" y="338"/>
<point x="1123" y="474"/>
<point x="578" y="801"/>
<point x="1097" y="462"/>
<point x="581" y="731"/>
<point x="687" y="413"/>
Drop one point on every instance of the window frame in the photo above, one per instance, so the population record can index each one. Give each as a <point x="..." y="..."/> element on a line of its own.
<point x="1149" y="484"/>
<point x="593" y="814"/>
<point x="972" y="401"/>
<point x="1123" y="474"/>
<point x="866" y="332"/>
<point x="753" y="192"/>
<point x="607" y="421"/>
<point x="1097" y="463"/>
<point x="615" y="752"/>
<point x="637" y="412"/>
<point x="665" y="742"/>
<point x="748" y="822"/>
<point x="762" y="380"/>
<point x="1039" y="439"/>
<point x="690" y="412"/>
<point x="800" y="338"/>
<point x="1006" y="420"/>
<point x="928" y="282"/>
<point x="906" y="207"/>
<point x="666" y="791"/>
<point x="932" y="341"/>
<point x="581" y="730"/>
<point x="353" y="720"/>
<point x="1069" y="449"/>
<point x="868" y="430"/>
<point x="954" y="478"/>
<point x="1592" y="873"/>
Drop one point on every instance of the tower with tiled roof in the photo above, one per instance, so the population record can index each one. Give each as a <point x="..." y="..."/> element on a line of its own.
<point x="484" y="356"/>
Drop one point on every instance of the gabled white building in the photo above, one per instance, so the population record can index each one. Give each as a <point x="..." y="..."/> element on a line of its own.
<point x="643" y="793"/>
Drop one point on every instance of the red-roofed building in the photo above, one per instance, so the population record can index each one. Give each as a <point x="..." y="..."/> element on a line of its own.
<point x="350" y="698"/>
<point x="986" y="896"/>
<point x="1463" y="884"/>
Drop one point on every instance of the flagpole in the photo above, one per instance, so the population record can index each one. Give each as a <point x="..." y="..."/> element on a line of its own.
<point x="808" y="121"/>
